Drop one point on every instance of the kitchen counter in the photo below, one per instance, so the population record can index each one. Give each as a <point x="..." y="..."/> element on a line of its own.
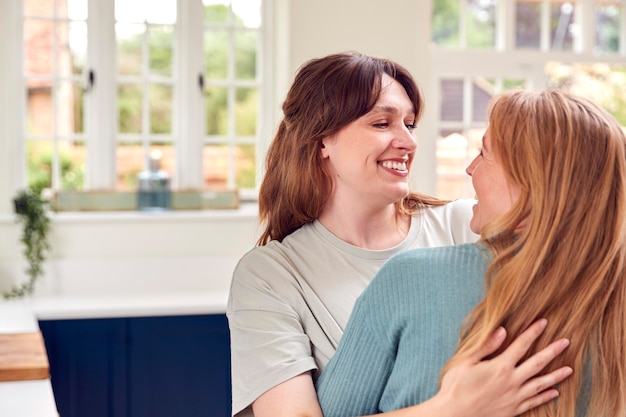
<point x="135" y="305"/>
<point x="33" y="398"/>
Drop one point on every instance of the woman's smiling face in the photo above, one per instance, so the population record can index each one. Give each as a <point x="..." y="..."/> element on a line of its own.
<point x="495" y="193"/>
<point x="371" y="157"/>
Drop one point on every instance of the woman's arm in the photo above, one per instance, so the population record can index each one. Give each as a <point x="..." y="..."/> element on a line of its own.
<point x="505" y="389"/>
<point x="295" y="397"/>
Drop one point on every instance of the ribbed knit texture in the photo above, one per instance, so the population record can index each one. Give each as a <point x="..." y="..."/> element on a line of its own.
<point x="403" y="329"/>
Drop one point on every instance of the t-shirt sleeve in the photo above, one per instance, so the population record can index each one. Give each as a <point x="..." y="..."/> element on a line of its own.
<point x="354" y="380"/>
<point x="268" y="342"/>
<point x="459" y="215"/>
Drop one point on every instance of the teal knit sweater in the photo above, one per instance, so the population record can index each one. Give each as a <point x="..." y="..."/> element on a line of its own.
<point x="402" y="331"/>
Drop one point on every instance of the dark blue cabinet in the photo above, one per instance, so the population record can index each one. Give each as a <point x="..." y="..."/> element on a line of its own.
<point x="175" y="366"/>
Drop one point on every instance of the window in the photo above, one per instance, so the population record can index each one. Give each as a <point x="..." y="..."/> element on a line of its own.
<point x="482" y="47"/>
<point x="110" y="86"/>
<point x="55" y="53"/>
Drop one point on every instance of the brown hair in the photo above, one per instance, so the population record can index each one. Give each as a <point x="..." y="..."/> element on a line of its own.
<point x="567" y="264"/>
<point x="327" y="94"/>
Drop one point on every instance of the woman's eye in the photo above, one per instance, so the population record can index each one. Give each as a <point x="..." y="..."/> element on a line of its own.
<point x="411" y="126"/>
<point x="381" y="125"/>
<point x="480" y="152"/>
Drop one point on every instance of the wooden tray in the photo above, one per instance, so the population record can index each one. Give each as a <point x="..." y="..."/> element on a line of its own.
<point x="23" y="357"/>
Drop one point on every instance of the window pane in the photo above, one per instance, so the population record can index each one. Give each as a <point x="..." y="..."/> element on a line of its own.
<point x="528" y="24"/>
<point x="216" y="11"/>
<point x="129" y="108"/>
<point x="248" y="12"/>
<point x="161" y="48"/>
<point x="70" y="108"/>
<point x="217" y="111"/>
<point x="129" y="48"/>
<point x="607" y="28"/>
<point x="561" y="26"/>
<point x="481" y="23"/>
<point x="160" y="108"/>
<point x="445" y="23"/>
<point x="166" y="156"/>
<point x="216" y="54"/>
<point x="38" y="47"/>
<point x="161" y="12"/>
<point x="246" y="111"/>
<point x="482" y="91"/>
<point x="46" y="157"/>
<point x="39" y="156"/>
<point x="141" y="11"/>
<point x="77" y="46"/>
<point x="603" y="83"/>
<point x="40" y="113"/>
<point x="246" y="166"/>
<point x="38" y="8"/>
<point x="216" y="160"/>
<point x="72" y="161"/>
<point x="451" y="156"/>
<point x="452" y="100"/>
<point x="133" y="159"/>
<point x="245" y="54"/>
<point x="455" y="150"/>
<point x="129" y="162"/>
<point x="76" y="9"/>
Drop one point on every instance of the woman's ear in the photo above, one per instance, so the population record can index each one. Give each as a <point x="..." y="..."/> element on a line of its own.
<point x="324" y="146"/>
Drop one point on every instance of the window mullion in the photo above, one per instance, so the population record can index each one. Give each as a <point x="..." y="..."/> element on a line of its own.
<point x="622" y="35"/>
<point x="101" y="114"/>
<point x="268" y="76"/>
<point x="12" y="103"/>
<point x="584" y="41"/>
<point x="462" y="23"/>
<point x="545" y="26"/>
<point x="188" y="102"/>
<point x="232" y="97"/>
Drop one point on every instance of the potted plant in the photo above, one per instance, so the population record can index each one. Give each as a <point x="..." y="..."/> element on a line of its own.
<point x="32" y="213"/>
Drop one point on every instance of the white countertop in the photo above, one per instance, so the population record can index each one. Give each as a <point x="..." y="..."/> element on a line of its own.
<point x="135" y="305"/>
<point x="23" y="398"/>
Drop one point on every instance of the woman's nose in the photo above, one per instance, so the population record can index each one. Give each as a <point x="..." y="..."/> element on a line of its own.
<point x="470" y="168"/>
<point x="406" y="140"/>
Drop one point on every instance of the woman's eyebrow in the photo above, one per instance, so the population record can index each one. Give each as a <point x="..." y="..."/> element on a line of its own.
<point x="386" y="109"/>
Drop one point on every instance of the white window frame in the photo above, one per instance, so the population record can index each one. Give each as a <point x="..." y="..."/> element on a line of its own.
<point x="101" y="100"/>
<point x="505" y="61"/>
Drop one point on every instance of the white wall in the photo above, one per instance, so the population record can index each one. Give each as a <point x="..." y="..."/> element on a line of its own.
<point x="394" y="29"/>
<point x="135" y="253"/>
<point x="108" y="253"/>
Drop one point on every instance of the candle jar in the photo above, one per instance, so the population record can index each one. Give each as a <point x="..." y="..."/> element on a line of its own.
<point x="154" y="192"/>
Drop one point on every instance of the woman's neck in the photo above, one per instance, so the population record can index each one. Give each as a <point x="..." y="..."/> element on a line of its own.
<point x="369" y="229"/>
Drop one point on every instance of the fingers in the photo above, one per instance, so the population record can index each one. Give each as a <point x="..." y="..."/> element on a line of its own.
<point x="539" y="360"/>
<point x="520" y="346"/>
<point x="536" y="401"/>
<point x="491" y="345"/>
<point x="539" y="389"/>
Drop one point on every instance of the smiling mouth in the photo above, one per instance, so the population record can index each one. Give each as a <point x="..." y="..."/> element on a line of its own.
<point x="398" y="166"/>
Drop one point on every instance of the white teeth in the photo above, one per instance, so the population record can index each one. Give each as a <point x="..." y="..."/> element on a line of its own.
<point x="398" y="166"/>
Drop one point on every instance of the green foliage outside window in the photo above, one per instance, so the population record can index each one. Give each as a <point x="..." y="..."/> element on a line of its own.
<point x="40" y="169"/>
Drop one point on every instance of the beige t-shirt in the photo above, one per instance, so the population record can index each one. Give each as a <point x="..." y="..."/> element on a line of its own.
<point x="289" y="302"/>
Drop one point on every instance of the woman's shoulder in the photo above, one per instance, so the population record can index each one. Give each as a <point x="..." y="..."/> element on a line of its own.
<point x="423" y="257"/>
<point x="449" y="223"/>
<point x="431" y="262"/>
<point x="461" y="207"/>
